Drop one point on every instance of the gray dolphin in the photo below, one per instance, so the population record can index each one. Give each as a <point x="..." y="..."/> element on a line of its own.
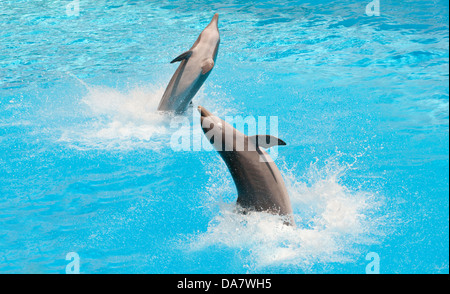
<point x="196" y="65"/>
<point x="258" y="180"/>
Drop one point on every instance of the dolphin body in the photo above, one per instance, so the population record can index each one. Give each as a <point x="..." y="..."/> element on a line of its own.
<point x="258" y="180"/>
<point x="196" y="65"/>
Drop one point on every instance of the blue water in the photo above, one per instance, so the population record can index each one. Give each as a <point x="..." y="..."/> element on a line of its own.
<point x="86" y="163"/>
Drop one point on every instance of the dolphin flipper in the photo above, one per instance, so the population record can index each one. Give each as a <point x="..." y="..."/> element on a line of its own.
<point x="207" y="65"/>
<point x="182" y="56"/>
<point x="266" y="141"/>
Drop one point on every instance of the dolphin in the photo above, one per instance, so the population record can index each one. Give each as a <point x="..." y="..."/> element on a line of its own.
<point x="196" y="65"/>
<point x="258" y="180"/>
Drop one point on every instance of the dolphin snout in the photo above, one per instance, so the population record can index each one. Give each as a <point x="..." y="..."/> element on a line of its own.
<point x="203" y="111"/>
<point x="215" y="18"/>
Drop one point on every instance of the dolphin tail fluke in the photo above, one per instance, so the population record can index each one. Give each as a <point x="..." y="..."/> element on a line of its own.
<point x="266" y="141"/>
<point x="183" y="56"/>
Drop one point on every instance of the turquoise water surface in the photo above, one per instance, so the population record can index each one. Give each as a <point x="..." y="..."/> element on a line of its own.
<point x="87" y="165"/>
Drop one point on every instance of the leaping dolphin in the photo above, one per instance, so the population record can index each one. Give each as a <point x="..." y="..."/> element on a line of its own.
<point x="196" y="65"/>
<point x="258" y="180"/>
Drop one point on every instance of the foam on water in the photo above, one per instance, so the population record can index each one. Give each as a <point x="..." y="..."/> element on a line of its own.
<point x="128" y="119"/>
<point x="120" y="120"/>
<point x="334" y="223"/>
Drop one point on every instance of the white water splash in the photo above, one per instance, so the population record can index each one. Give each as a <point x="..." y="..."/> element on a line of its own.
<point x="125" y="120"/>
<point x="333" y="223"/>
<point x="120" y="120"/>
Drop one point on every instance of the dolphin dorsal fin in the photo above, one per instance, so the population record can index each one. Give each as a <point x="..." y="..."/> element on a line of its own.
<point x="182" y="56"/>
<point x="266" y="141"/>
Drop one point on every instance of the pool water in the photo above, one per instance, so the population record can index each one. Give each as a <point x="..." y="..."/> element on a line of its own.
<point x="87" y="164"/>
